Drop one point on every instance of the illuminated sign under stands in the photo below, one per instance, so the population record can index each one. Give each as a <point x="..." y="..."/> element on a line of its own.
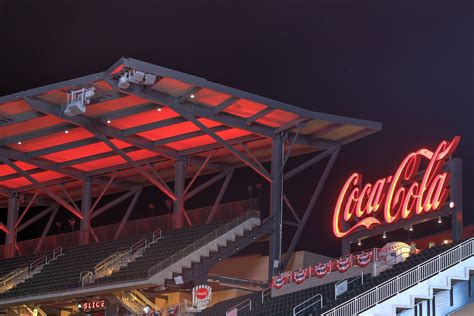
<point x="92" y="305"/>
<point x="399" y="196"/>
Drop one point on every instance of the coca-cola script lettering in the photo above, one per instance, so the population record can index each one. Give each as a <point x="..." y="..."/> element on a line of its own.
<point x="399" y="196"/>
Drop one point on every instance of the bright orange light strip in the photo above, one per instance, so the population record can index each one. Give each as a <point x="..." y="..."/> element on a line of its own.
<point x="398" y="201"/>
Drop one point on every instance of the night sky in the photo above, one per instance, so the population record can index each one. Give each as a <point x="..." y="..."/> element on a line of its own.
<point x="406" y="64"/>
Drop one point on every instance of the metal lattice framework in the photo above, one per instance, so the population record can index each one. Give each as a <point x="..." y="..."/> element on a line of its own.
<point x="180" y="127"/>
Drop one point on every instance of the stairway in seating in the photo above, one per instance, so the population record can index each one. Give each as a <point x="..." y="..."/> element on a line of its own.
<point x="410" y="283"/>
<point x="180" y="249"/>
<point x="136" y="302"/>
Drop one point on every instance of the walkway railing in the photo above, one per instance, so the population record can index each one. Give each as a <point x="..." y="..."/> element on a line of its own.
<point x="242" y="305"/>
<point x="313" y="300"/>
<point x="405" y="280"/>
<point x="202" y="242"/>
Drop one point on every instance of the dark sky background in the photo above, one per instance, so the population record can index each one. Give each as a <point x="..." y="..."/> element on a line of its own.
<point x="407" y="64"/>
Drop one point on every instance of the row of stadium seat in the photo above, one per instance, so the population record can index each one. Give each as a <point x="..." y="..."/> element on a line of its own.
<point x="65" y="272"/>
<point x="165" y="247"/>
<point x="284" y="304"/>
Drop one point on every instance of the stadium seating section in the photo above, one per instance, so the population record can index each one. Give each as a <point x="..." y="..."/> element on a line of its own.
<point x="284" y="304"/>
<point x="65" y="272"/>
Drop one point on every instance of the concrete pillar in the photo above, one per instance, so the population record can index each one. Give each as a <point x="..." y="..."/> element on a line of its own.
<point x="12" y="218"/>
<point x="276" y="206"/>
<point x="179" y="178"/>
<point x="85" y="209"/>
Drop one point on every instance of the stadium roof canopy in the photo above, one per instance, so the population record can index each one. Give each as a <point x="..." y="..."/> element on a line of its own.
<point x="135" y="135"/>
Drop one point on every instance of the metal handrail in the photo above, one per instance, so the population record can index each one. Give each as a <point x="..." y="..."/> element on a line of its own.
<point x="405" y="280"/>
<point x="239" y="308"/>
<point x="266" y="292"/>
<point x="106" y="260"/>
<point x="201" y="242"/>
<point x="349" y="282"/>
<point x="157" y="234"/>
<point x="38" y="262"/>
<point x="58" y="251"/>
<point x="302" y="303"/>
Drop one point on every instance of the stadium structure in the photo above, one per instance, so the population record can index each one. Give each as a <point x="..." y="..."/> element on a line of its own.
<point x="84" y="146"/>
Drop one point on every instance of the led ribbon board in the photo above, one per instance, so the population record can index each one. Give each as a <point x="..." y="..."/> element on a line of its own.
<point x="399" y="196"/>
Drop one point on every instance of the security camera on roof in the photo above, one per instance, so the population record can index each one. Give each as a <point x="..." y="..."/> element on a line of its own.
<point x="77" y="101"/>
<point x="136" y="76"/>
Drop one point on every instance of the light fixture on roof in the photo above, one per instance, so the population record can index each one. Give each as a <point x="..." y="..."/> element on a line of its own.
<point x="123" y="82"/>
<point x="19" y="142"/>
<point x="192" y="96"/>
<point x="384" y="235"/>
<point x="77" y="101"/>
<point x="451" y="204"/>
<point x="359" y="243"/>
<point x="410" y="228"/>
<point x="440" y="220"/>
<point x="136" y="76"/>
<point x="66" y="131"/>
<point x="109" y="121"/>
<point x="159" y="109"/>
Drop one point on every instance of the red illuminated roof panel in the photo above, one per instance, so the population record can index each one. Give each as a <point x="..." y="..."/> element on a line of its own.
<point x="29" y="126"/>
<point x="277" y="118"/>
<point x="176" y="129"/>
<point x="15" y="107"/>
<point x="210" y="97"/>
<point x="6" y="170"/>
<point x="144" y="118"/>
<point x="245" y="108"/>
<point x="114" y="105"/>
<point x="53" y="139"/>
<point x="41" y="177"/>
<point x="84" y="151"/>
<point x="206" y="139"/>
<point x="113" y="161"/>
<point x="173" y="87"/>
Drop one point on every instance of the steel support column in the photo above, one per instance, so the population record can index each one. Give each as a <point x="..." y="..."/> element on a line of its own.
<point x="276" y="205"/>
<point x="456" y="198"/>
<point x="86" y="212"/>
<point x="12" y="218"/>
<point x="179" y="179"/>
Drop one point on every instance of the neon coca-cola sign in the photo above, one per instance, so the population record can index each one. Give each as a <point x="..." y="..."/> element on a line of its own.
<point x="399" y="196"/>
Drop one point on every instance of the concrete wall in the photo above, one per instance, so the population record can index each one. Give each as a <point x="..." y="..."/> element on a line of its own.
<point x="255" y="267"/>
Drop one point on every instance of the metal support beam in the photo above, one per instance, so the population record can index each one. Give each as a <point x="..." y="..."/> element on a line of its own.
<point x="291" y="208"/>
<point x="30" y="203"/>
<point x="311" y="162"/>
<point x="276" y="205"/>
<point x="207" y="184"/>
<point x="224" y="105"/>
<point x="115" y="202"/>
<point x="219" y="197"/>
<point x="135" y="165"/>
<point x="179" y="178"/>
<point x="130" y="208"/>
<point x="36" y="218"/>
<point x="97" y="200"/>
<point x="12" y="218"/>
<point x="86" y="212"/>
<point x="255" y="160"/>
<point x="309" y="208"/>
<point x="198" y="172"/>
<point x="235" y="152"/>
<point x="456" y="197"/>
<point x="41" y="186"/>
<point x="259" y="115"/>
<point x="46" y="229"/>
